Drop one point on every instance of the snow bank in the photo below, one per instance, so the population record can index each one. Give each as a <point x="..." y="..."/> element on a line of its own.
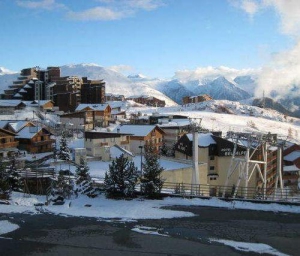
<point x="6" y="227"/>
<point x="127" y="210"/>
<point x="250" y="247"/>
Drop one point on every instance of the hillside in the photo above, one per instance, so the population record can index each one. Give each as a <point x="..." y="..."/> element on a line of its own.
<point x="223" y="115"/>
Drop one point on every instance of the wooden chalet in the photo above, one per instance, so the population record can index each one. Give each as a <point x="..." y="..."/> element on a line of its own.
<point x="94" y="115"/>
<point x="142" y="135"/>
<point x="8" y="145"/>
<point x="35" y="140"/>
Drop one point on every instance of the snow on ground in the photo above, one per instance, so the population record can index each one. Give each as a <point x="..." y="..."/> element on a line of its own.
<point x="128" y="210"/>
<point x="98" y="168"/>
<point x="6" y="227"/>
<point x="147" y="230"/>
<point x="250" y="247"/>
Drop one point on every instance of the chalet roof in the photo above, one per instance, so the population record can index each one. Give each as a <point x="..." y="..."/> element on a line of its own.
<point x="17" y="125"/>
<point x="27" y="86"/>
<point x="291" y="168"/>
<point x="115" y="104"/>
<point x="28" y="132"/>
<point x="117" y="151"/>
<point x="9" y="103"/>
<point x="136" y="130"/>
<point x="99" y="107"/>
<point x="292" y="156"/>
<point x="204" y="139"/>
<point x="22" y="90"/>
<point x="18" y="95"/>
<point x="3" y="123"/>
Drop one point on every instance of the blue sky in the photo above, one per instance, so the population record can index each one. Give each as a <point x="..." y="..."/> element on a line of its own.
<point x="152" y="37"/>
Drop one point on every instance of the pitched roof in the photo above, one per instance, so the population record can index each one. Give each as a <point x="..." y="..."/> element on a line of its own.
<point x="9" y="103"/>
<point x="17" y="125"/>
<point x="292" y="156"/>
<point x="136" y="130"/>
<point x="99" y="107"/>
<point x="28" y="132"/>
<point x="204" y="139"/>
<point x="116" y="151"/>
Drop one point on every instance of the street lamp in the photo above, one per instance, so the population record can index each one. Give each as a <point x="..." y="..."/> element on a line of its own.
<point x="141" y="147"/>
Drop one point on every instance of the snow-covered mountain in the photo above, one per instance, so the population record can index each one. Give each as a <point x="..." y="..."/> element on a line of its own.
<point x="247" y="83"/>
<point x="6" y="78"/>
<point x="218" y="88"/>
<point x="5" y="71"/>
<point x="116" y="83"/>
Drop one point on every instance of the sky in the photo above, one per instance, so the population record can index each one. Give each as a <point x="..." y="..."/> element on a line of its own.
<point x="158" y="38"/>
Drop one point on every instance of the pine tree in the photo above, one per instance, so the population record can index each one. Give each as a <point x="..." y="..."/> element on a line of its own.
<point x="63" y="187"/>
<point x="15" y="179"/>
<point x="4" y="180"/>
<point x="83" y="179"/>
<point x="64" y="151"/>
<point x="121" y="178"/>
<point x="151" y="181"/>
<point x="82" y="171"/>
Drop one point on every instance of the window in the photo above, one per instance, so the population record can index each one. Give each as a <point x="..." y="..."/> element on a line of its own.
<point x="212" y="178"/>
<point x="211" y="168"/>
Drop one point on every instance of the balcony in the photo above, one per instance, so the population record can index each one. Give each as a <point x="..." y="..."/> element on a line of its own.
<point x="44" y="142"/>
<point x="9" y="144"/>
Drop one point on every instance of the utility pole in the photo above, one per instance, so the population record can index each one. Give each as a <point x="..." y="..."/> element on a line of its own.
<point x="195" y="128"/>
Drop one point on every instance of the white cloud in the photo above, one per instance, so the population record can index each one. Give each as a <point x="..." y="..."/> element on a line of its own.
<point x="288" y="10"/>
<point x="282" y="74"/>
<point x="213" y="72"/>
<point x="144" y="4"/>
<point x="44" y="4"/>
<point x="249" y="6"/>
<point x="97" y="13"/>
<point x="121" y="68"/>
<point x="115" y="9"/>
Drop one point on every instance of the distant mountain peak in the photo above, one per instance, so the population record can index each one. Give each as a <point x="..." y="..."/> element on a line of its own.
<point x="5" y="71"/>
<point x="137" y="76"/>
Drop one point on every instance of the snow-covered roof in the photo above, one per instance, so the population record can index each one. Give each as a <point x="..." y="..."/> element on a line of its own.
<point x="292" y="156"/>
<point x="117" y="151"/>
<point x="18" y="95"/>
<point x="115" y="104"/>
<point x="135" y="130"/>
<point x="27" y="86"/>
<point x="291" y="168"/>
<point x="17" y="125"/>
<point x="3" y="123"/>
<point x="99" y="107"/>
<point x="28" y="132"/>
<point x="204" y="139"/>
<point x="9" y="103"/>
